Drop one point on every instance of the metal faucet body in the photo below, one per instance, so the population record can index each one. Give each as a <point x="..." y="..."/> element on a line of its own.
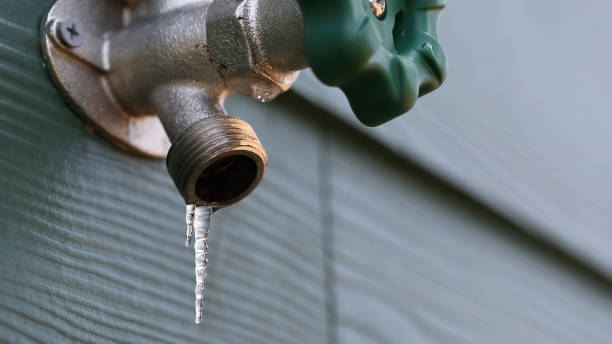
<point x="182" y="59"/>
<point x="179" y="60"/>
<point x="253" y="47"/>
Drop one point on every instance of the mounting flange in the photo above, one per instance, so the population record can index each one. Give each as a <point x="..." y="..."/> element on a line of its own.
<point x="75" y="48"/>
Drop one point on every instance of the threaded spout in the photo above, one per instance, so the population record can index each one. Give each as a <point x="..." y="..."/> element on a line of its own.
<point x="217" y="162"/>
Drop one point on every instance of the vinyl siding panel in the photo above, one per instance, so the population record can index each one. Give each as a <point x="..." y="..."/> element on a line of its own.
<point x="523" y="122"/>
<point x="416" y="262"/>
<point x="344" y="241"/>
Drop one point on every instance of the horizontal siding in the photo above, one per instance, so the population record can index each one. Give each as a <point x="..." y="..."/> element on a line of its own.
<point x="416" y="262"/>
<point x="523" y="121"/>
<point x="343" y="242"/>
<point x="92" y="238"/>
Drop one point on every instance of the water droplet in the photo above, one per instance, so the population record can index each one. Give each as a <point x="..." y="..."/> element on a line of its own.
<point x="427" y="50"/>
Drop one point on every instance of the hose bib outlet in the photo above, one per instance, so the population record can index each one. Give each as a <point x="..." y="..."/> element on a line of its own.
<point x="217" y="162"/>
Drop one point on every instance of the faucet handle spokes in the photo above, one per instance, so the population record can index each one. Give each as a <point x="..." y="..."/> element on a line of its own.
<point x="384" y="54"/>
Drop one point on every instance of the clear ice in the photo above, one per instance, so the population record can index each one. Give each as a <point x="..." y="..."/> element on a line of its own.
<point x="189" y="219"/>
<point x="198" y="227"/>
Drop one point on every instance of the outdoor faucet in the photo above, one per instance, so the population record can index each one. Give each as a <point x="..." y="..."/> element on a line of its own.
<point x="150" y="74"/>
<point x="181" y="59"/>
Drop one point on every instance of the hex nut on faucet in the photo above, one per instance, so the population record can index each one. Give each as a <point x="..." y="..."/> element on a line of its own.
<point x="266" y="51"/>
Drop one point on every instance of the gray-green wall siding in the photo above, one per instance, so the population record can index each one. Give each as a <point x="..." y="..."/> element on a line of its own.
<point x="344" y="242"/>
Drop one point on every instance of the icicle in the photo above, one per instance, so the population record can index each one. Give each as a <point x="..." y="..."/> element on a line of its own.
<point x="202" y="220"/>
<point x="189" y="219"/>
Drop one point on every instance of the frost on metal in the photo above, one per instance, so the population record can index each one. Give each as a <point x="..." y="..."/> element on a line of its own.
<point x="198" y="226"/>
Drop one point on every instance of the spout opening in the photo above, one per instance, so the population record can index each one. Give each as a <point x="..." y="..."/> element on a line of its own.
<point x="227" y="179"/>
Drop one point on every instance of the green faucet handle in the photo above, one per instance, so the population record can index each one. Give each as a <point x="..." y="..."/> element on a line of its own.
<point x="383" y="54"/>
